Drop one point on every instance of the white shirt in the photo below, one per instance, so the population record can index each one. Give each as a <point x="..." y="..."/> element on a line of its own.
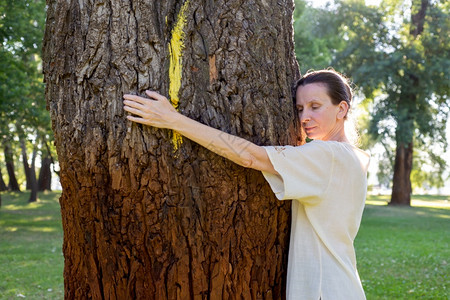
<point x="328" y="180"/>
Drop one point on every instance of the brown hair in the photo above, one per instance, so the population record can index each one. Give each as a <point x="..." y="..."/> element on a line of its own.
<point x="338" y="87"/>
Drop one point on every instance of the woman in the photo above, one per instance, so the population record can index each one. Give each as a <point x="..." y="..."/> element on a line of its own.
<point x="326" y="178"/>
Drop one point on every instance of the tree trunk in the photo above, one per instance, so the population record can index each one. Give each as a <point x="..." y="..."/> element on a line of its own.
<point x="401" y="183"/>
<point x="33" y="181"/>
<point x="147" y="215"/>
<point x="13" y="185"/>
<point x="401" y="188"/>
<point x="3" y="186"/>
<point x="26" y="166"/>
<point x="418" y="14"/>
<point x="45" y="174"/>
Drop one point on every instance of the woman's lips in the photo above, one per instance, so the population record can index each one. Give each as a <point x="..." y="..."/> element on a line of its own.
<point x="309" y="129"/>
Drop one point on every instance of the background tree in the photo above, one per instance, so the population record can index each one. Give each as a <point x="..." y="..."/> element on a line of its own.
<point x="13" y="185"/>
<point x="22" y="102"/>
<point x="398" y="55"/>
<point x="2" y="183"/>
<point x="45" y="173"/>
<point x="147" y="214"/>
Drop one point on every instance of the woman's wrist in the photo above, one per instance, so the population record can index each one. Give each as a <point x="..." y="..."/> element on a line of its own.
<point x="176" y="121"/>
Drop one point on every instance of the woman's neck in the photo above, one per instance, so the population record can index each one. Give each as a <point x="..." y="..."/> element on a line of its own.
<point x="337" y="135"/>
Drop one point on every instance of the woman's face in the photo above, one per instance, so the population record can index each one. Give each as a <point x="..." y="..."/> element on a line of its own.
<point x="319" y="117"/>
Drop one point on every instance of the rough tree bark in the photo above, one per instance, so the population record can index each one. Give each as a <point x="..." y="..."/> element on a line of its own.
<point x="145" y="215"/>
<point x="401" y="182"/>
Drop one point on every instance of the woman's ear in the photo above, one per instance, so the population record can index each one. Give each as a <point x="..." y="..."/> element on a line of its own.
<point x="343" y="109"/>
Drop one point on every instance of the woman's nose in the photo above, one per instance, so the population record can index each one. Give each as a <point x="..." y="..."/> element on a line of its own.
<point x="304" y="118"/>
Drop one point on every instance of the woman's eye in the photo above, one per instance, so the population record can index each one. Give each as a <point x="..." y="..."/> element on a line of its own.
<point x="315" y="107"/>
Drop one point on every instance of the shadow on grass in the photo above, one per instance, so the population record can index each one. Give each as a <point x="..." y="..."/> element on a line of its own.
<point x="432" y="201"/>
<point x="18" y="216"/>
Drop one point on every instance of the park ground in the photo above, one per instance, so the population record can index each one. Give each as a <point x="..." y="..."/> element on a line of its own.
<point x="402" y="252"/>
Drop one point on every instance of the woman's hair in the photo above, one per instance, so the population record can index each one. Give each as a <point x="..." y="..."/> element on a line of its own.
<point x="338" y="89"/>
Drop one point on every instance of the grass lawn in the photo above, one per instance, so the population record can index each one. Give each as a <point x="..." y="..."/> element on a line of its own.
<point x="31" y="260"/>
<point x="403" y="253"/>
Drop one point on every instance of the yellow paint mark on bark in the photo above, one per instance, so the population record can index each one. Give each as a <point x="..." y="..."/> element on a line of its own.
<point x="176" y="47"/>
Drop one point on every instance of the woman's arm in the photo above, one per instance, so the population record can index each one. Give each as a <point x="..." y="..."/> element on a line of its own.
<point x="158" y="112"/>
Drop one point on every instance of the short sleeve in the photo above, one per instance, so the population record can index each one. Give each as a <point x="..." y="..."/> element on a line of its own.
<point x="305" y="171"/>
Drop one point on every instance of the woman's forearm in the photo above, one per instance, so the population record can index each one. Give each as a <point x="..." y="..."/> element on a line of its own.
<point x="159" y="112"/>
<point x="229" y="146"/>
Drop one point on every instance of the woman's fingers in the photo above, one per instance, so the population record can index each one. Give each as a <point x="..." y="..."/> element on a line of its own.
<point x="137" y="105"/>
<point x="138" y="99"/>
<point x="137" y="120"/>
<point x="155" y="95"/>
<point x="143" y="101"/>
<point x="135" y="111"/>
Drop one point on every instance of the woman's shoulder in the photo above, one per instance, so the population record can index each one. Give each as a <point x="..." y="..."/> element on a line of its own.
<point x="327" y="146"/>
<point x="338" y="145"/>
<point x="313" y="149"/>
<point x="342" y="150"/>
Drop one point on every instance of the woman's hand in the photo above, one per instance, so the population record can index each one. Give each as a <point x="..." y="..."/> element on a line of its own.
<point x="156" y="111"/>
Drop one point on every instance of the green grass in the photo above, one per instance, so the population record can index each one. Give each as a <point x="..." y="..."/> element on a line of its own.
<point x="403" y="253"/>
<point x="31" y="260"/>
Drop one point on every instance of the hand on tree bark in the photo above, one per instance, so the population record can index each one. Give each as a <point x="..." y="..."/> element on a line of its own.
<point x="156" y="111"/>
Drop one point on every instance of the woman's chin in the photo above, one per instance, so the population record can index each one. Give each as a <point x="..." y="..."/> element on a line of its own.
<point x="312" y="136"/>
